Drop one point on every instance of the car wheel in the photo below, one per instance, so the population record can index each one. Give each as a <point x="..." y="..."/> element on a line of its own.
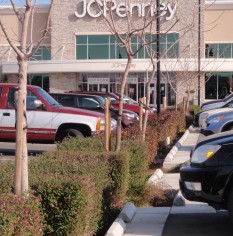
<point x="71" y="133"/>
<point x="230" y="204"/>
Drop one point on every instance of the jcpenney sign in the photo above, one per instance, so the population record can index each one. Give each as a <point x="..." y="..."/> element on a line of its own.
<point x="167" y="10"/>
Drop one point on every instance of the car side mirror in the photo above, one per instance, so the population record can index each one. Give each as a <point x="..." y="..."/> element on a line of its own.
<point x="37" y="103"/>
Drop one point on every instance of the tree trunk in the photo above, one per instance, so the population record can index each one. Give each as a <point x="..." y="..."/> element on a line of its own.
<point x="125" y="76"/>
<point x="21" y="156"/>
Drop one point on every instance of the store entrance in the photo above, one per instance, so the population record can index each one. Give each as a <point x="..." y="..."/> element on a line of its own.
<point x="98" y="87"/>
<point x="132" y="91"/>
<point x="162" y="92"/>
<point x="153" y="95"/>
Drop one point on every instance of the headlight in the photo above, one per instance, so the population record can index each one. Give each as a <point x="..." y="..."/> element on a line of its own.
<point x="215" y="120"/>
<point x="113" y="124"/>
<point x="129" y="115"/>
<point x="204" y="152"/>
<point x="102" y="124"/>
<point x="204" y="116"/>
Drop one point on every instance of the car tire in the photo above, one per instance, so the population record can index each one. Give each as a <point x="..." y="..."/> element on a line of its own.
<point x="71" y="133"/>
<point x="230" y="204"/>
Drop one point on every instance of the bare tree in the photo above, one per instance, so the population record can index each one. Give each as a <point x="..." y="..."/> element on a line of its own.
<point x="26" y="49"/>
<point x="124" y="34"/>
<point x="152" y="53"/>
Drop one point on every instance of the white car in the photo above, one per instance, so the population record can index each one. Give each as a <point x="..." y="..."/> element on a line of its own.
<point x="204" y="115"/>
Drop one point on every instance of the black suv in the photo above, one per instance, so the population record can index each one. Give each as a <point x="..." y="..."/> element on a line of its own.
<point x="94" y="103"/>
<point x="208" y="177"/>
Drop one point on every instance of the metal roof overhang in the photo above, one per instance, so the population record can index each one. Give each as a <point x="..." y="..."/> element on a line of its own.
<point x="107" y="66"/>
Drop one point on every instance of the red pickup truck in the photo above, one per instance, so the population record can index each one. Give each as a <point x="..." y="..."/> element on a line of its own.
<point x="47" y="120"/>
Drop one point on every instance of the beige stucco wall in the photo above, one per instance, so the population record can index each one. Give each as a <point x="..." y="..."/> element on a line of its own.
<point x="218" y="26"/>
<point x="65" y="26"/>
<point x="60" y="82"/>
<point x="13" y="27"/>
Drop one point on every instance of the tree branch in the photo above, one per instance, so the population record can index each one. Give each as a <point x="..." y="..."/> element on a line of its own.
<point x="17" y="51"/>
<point x="46" y="30"/>
<point x="17" y="13"/>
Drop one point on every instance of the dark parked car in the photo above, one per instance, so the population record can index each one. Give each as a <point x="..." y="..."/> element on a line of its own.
<point x="208" y="177"/>
<point x="95" y="103"/>
<point x="115" y="101"/>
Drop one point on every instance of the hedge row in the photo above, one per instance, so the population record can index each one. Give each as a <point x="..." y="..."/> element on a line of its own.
<point x="80" y="188"/>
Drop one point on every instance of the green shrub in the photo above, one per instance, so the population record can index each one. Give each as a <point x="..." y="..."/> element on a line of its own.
<point x="20" y="215"/>
<point x="138" y="164"/>
<point x="120" y="174"/>
<point x="133" y="133"/>
<point x="118" y="166"/>
<point x="83" y="144"/>
<point x="6" y="177"/>
<point x="167" y="124"/>
<point x="70" y="186"/>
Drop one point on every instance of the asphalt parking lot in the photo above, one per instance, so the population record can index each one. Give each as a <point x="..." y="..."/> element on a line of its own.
<point x="199" y="224"/>
<point x="7" y="149"/>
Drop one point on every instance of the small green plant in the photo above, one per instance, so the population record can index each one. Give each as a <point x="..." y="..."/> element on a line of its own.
<point x="194" y="109"/>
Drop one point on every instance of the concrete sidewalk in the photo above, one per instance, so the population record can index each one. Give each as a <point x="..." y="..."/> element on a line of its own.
<point x="150" y="221"/>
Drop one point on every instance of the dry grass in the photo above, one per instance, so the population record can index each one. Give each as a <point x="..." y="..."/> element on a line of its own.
<point x="158" y="195"/>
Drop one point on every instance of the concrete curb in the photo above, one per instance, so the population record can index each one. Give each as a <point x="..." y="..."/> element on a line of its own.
<point x="117" y="228"/>
<point x="129" y="210"/>
<point x="179" y="200"/>
<point x="170" y="156"/>
<point x="158" y="174"/>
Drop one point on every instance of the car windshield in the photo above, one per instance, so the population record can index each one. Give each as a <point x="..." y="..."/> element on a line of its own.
<point x="113" y="100"/>
<point x="127" y="100"/>
<point x="228" y="97"/>
<point x="101" y="100"/>
<point x="50" y="100"/>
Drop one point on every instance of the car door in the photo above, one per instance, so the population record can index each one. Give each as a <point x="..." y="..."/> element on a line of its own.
<point x="39" y="120"/>
<point x="8" y="121"/>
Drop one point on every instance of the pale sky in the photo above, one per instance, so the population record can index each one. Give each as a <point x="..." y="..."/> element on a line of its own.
<point x="21" y="2"/>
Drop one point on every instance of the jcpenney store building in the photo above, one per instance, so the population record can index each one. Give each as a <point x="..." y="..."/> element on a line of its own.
<point x="80" y="53"/>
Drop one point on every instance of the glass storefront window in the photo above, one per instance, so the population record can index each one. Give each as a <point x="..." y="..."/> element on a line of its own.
<point x="211" y="51"/>
<point x="111" y="82"/>
<point x="41" y="80"/>
<point x="42" y="53"/>
<point x="223" y="84"/>
<point x="90" y="47"/>
<point x="222" y="50"/>
<point x="218" y="85"/>
<point x="100" y="52"/>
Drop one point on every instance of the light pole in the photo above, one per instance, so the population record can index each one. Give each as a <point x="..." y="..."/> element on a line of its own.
<point x="158" y="56"/>
<point x="199" y="51"/>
